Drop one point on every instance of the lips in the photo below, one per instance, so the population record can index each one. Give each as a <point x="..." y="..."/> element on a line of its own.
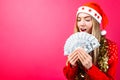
<point x="83" y="30"/>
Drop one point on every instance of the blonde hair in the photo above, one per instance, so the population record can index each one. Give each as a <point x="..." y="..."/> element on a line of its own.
<point x="96" y="32"/>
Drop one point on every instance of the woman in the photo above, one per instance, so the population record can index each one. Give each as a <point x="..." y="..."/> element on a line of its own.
<point x="101" y="63"/>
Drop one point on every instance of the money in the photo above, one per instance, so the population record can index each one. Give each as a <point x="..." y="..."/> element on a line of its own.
<point x="80" y="39"/>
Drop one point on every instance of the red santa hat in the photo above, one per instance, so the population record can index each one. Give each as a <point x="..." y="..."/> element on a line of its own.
<point x="96" y="12"/>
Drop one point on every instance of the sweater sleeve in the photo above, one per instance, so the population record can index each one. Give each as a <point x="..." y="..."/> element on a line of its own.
<point x="95" y="73"/>
<point x="70" y="71"/>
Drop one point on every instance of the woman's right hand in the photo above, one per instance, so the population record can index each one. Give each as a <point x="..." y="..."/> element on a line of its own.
<point x="73" y="57"/>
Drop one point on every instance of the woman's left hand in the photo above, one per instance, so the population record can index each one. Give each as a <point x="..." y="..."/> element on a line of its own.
<point x="85" y="58"/>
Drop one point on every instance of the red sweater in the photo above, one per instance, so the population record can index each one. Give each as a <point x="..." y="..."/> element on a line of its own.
<point x="94" y="72"/>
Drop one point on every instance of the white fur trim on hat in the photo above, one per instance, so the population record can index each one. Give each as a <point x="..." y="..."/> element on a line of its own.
<point x="103" y="32"/>
<point x="91" y="12"/>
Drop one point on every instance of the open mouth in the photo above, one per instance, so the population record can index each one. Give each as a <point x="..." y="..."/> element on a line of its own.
<point x="83" y="30"/>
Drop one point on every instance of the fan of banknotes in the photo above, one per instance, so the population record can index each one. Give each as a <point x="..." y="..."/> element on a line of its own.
<point x="80" y="39"/>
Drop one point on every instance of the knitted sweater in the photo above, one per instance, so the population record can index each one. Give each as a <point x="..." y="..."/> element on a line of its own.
<point x="94" y="72"/>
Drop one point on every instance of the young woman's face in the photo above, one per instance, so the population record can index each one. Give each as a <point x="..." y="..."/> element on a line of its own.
<point x="84" y="22"/>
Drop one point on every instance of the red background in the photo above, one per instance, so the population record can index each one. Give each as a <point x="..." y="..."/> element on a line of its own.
<point x="33" y="33"/>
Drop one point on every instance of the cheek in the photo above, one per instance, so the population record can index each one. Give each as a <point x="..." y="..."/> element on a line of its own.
<point x="78" y="23"/>
<point x="89" y="27"/>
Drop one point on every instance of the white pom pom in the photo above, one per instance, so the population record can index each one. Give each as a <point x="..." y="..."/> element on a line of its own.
<point x="103" y="32"/>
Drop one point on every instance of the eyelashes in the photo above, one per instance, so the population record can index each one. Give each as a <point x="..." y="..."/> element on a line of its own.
<point x="85" y="19"/>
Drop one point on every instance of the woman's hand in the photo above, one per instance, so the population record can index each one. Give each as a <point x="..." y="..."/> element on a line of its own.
<point x="84" y="58"/>
<point x="73" y="57"/>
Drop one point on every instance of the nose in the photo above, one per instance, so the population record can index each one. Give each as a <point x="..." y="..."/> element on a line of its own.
<point x="82" y="23"/>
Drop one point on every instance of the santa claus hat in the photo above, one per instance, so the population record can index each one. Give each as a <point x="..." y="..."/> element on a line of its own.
<point x="95" y="11"/>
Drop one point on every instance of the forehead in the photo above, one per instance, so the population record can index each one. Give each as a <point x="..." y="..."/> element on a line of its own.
<point x="83" y="15"/>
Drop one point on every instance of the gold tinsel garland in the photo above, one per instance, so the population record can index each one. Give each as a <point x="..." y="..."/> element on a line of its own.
<point x="103" y="55"/>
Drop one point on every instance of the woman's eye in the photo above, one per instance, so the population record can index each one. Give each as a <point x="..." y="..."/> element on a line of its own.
<point x="88" y="20"/>
<point x="78" y="20"/>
